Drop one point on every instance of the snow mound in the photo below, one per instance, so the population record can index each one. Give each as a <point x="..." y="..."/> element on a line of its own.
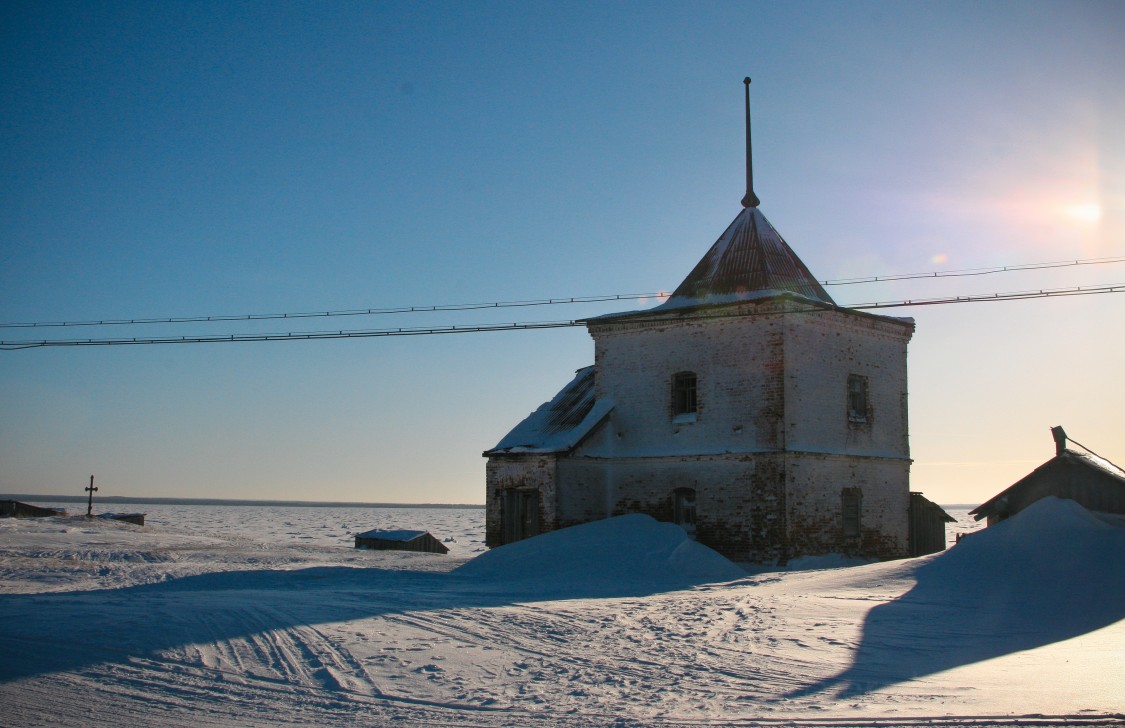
<point x="1051" y="529"/>
<point x="1050" y="558"/>
<point x="1049" y="574"/>
<point x="624" y="551"/>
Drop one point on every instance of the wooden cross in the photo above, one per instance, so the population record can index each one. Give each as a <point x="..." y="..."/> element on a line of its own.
<point x="90" y="508"/>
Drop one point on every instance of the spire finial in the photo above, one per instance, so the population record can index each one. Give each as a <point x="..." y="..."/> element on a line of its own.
<point x="750" y="200"/>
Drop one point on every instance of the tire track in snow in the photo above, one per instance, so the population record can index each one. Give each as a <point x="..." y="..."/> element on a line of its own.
<point x="299" y="654"/>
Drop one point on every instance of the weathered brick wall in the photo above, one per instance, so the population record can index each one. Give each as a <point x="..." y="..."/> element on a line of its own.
<point x="739" y="498"/>
<point x="770" y="447"/>
<point x="522" y="472"/>
<point x="821" y="351"/>
<point x="738" y="362"/>
<point x="829" y="451"/>
<point x="813" y="501"/>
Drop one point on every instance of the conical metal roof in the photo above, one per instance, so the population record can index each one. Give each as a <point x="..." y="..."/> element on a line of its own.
<point x="749" y="260"/>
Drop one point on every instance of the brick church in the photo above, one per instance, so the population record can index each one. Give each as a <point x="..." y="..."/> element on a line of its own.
<point x="749" y="408"/>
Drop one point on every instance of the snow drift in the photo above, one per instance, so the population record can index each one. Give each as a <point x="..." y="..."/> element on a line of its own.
<point x="620" y="555"/>
<point x="1048" y="574"/>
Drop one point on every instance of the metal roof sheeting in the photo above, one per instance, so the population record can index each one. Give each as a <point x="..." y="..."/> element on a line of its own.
<point x="750" y="257"/>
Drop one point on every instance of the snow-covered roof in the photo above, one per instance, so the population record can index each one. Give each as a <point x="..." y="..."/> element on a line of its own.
<point x="1099" y="462"/>
<point x="561" y="424"/>
<point x="1000" y="501"/>
<point x="391" y="535"/>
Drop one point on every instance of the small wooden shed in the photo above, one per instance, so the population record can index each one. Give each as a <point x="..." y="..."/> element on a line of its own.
<point x="1092" y="481"/>
<point x="15" y="509"/>
<point x="927" y="526"/>
<point x="400" y="541"/>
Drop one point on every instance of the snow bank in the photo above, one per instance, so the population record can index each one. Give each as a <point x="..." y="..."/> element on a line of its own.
<point x="624" y="553"/>
<point x="1052" y="535"/>
<point x="1049" y="574"/>
<point x="1054" y="570"/>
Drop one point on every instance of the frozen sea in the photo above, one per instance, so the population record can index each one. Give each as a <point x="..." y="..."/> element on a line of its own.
<point x="460" y="529"/>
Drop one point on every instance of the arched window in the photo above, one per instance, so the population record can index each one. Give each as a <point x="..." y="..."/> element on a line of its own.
<point x="684" y="401"/>
<point x="683" y="509"/>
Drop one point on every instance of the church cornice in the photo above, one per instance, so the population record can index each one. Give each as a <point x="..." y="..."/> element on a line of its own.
<point x="727" y="455"/>
<point x="782" y="306"/>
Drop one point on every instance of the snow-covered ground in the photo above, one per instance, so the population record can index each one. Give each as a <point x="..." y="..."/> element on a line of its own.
<point x="461" y="529"/>
<point x="221" y="622"/>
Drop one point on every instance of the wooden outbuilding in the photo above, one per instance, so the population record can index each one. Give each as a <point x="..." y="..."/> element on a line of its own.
<point x="1084" y="477"/>
<point x="16" y="509"/>
<point x="400" y="541"/>
<point x="927" y="526"/>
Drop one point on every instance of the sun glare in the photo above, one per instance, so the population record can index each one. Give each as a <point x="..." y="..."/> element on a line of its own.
<point x="939" y="259"/>
<point x="1089" y="212"/>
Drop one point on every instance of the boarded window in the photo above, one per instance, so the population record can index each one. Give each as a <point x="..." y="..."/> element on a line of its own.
<point x="683" y="508"/>
<point x="684" y="401"/>
<point x="851" y="505"/>
<point x="857" y="398"/>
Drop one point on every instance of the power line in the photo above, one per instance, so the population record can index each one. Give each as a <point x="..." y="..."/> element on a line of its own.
<point x="972" y="271"/>
<point x="524" y="326"/>
<point x="537" y="302"/>
<point x="345" y="312"/>
<point x="1009" y="296"/>
<point x="293" y="336"/>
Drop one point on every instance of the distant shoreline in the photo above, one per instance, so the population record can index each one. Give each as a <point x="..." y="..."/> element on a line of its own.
<point x="32" y="499"/>
<point x="249" y="502"/>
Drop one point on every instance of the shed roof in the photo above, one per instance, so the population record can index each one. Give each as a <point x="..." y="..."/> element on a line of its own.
<point x="1101" y="468"/>
<point x="561" y="424"/>
<point x="934" y="508"/>
<point x="401" y="535"/>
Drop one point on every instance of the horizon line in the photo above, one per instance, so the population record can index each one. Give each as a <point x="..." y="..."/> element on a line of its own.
<point x="185" y="501"/>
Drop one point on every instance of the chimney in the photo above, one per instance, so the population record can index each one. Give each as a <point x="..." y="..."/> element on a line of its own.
<point x="1060" y="439"/>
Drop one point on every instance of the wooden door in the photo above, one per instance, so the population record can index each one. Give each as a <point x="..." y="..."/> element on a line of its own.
<point x="520" y="514"/>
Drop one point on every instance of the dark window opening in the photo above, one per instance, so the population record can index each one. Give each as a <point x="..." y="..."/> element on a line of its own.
<point x="684" y="401"/>
<point x="683" y="509"/>
<point x="851" y="502"/>
<point x="857" y="398"/>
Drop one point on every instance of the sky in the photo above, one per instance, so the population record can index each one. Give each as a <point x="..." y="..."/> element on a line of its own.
<point x="201" y="159"/>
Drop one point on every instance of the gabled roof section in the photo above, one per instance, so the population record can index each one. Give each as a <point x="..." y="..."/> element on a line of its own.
<point x="561" y="424"/>
<point x="749" y="260"/>
<point x="1101" y="468"/>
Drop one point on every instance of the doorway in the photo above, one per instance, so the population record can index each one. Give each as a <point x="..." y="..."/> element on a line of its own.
<point x="520" y="514"/>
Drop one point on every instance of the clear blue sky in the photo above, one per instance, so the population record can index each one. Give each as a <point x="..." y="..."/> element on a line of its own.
<point x="181" y="159"/>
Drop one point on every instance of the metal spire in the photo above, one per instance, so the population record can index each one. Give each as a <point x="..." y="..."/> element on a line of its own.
<point x="750" y="200"/>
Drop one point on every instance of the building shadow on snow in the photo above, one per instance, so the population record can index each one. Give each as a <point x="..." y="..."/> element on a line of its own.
<point x="1021" y="584"/>
<point x="67" y="631"/>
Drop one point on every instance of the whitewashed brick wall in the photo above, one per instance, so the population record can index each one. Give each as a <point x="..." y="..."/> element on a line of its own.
<point x="771" y="446"/>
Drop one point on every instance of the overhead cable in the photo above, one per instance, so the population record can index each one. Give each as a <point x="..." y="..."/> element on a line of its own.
<point x="534" y="302"/>
<point x="971" y="271"/>
<point x="524" y="326"/>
